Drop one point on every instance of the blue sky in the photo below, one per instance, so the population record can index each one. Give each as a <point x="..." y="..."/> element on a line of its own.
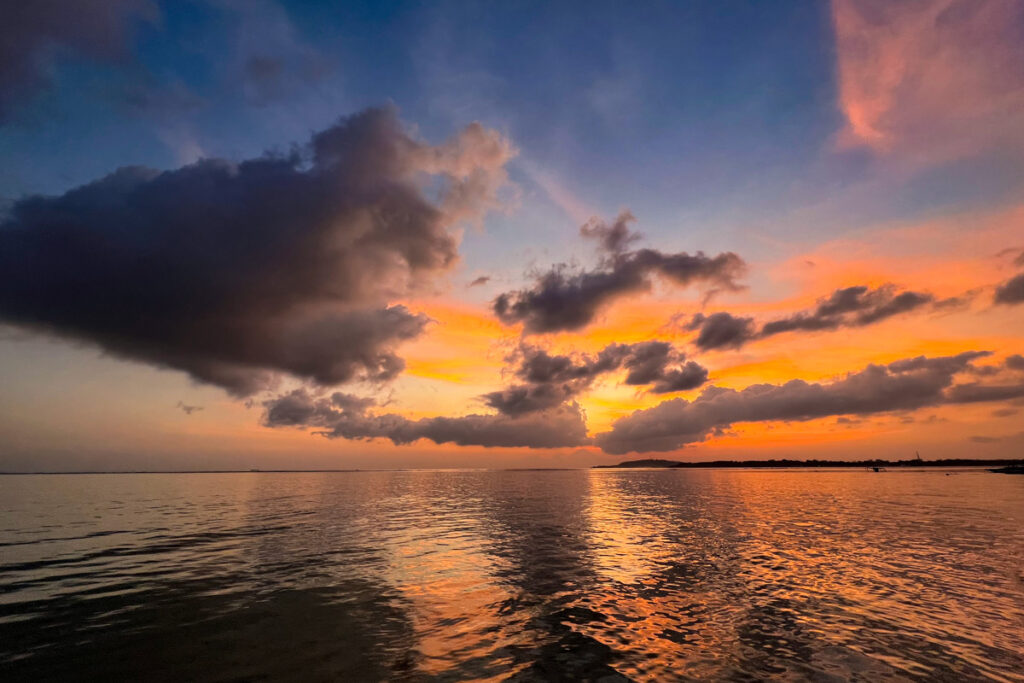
<point x="703" y="118"/>
<point x="670" y="110"/>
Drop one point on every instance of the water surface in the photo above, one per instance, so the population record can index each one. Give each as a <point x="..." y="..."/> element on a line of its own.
<point x="496" y="575"/>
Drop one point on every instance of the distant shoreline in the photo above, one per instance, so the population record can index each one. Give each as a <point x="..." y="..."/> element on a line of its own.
<point x="628" y="464"/>
<point x="790" y="464"/>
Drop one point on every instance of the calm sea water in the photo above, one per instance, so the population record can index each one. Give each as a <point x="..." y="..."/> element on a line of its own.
<point x="539" y="575"/>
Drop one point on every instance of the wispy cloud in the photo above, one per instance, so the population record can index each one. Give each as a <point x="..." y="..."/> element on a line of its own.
<point x="187" y="409"/>
<point x="34" y="35"/>
<point x="930" y="80"/>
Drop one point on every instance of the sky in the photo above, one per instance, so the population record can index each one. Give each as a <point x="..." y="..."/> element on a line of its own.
<point x="259" y="234"/>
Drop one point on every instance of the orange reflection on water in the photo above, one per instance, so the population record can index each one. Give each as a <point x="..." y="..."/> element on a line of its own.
<point x="488" y="575"/>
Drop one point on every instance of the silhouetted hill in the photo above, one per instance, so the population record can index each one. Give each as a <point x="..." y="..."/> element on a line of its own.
<point x="650" y="462"/>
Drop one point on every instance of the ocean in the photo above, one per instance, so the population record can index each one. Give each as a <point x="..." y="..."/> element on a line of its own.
<point x="604" y="575"/>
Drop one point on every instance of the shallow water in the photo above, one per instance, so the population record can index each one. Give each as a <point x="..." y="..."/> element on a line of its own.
<point x="529" y="575"/>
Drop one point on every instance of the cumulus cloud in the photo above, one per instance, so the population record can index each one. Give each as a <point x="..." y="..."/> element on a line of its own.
<point x="237" y="272"/>
<point x="847" y="307"/>
<point x="664" y="368"/>
<point x="904" y="385"/>
<point x="1011" y="292"/>
<point x="562" y="299"/>
<point x="549" y="380"/>
<point x="349" y="417"/>
<point x="34" y="35"/>
<point x="521" y="399"/>
<point x="721" y="330"/>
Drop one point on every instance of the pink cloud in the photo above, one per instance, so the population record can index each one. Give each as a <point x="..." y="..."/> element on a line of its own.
<point x="932" y="80"/>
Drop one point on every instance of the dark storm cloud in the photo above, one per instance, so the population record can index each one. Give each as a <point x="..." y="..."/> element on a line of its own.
<point x="233" y="272"/>
<point x="35" y="33"/>
<point x="550" y="380"/>
<point x="903" y="385"/>
<point x="1011" y="292"/>
<point x="561" y="299"/>
<point x="848" y="307"/>
<point x="348" y="417"/>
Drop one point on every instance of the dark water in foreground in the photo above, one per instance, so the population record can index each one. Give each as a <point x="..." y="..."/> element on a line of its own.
<point x="573" y="575"/>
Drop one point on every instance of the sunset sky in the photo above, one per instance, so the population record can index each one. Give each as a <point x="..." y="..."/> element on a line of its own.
<point x="256" y="234"/>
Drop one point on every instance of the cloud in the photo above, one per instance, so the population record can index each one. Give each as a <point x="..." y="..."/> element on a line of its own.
<point x="550" y="380"/>
<point x="903" y="385"/>
<point x="613" y="238"/>
<point x="1016" y="252"/>
<point x="847" y="307"/>
<point x="530" y="398"/>
<point x="721" y="330"/>
<point x="931" y="79"/>
<point x="268" y="78"/>
<point x="573" y="207"/>
<point x="346" y="416"/>
<point x="482" y="280"/>
<point x="562" y="300"/>
<point x="851" y="307"/>
<point x="269" y="61"/>
<point x="187" y="409"/>
<point x="996" y="439"/>
<point x="976" y="392"/>
<point x="1011" y="292"/>
<point x="1015" y="362"/>
<point x="35" y="35"/>
<point x="661" y="366"/>
<point x="236" y="272"/>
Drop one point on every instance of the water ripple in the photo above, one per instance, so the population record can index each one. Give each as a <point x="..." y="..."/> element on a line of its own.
<point x="530" y="575"/>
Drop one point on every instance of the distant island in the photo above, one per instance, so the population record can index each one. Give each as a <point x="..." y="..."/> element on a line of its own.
<point x="763" y="464"/>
